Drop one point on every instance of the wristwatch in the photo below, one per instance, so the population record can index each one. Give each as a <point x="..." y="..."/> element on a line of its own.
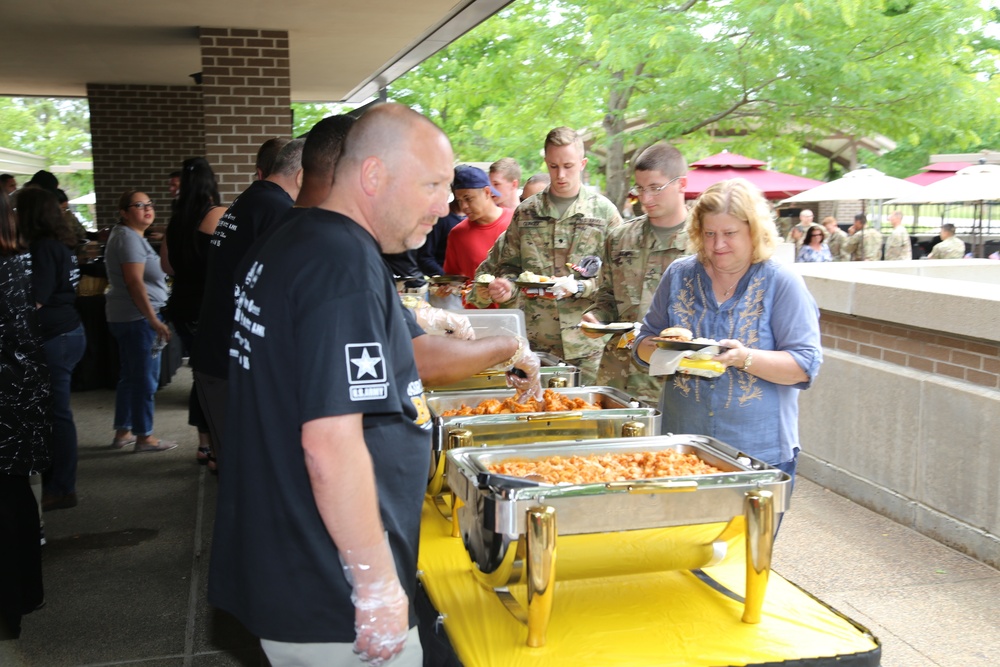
<point x="748" y="361"/>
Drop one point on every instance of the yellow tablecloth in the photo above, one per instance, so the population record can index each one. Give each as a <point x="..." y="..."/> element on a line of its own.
<point x="658" y="618"/>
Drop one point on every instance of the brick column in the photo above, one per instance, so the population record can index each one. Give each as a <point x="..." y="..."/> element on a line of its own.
<point x="245" y="84"/>
<point x="139" y="135"/>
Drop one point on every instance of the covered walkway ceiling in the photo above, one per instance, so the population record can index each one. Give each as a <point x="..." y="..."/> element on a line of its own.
<point x="340" y="50"/>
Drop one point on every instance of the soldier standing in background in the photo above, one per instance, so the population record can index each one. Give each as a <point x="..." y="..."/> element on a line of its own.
<point x="835" y="238"/>
<point x="563" y="224"/>
<point x="636" y="254"/>
<point x="864" y="244"/>
<point x="897" y="245"/>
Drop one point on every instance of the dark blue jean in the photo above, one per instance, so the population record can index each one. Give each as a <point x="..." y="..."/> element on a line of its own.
<point x="63" y="353"/>
<point x="139" y="378"/>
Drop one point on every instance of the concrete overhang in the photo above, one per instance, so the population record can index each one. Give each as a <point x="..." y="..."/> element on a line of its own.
<point x="340" y="50"/>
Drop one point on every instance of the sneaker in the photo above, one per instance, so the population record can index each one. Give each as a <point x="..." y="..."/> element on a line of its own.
<point x="158" y="446"/>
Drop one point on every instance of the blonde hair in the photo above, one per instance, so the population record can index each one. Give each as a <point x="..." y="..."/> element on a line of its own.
<point x="742" y="200"/>
<point x="564" y="136"/>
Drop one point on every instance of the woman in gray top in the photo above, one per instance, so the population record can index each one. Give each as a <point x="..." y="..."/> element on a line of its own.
<point x="137" y="291"/>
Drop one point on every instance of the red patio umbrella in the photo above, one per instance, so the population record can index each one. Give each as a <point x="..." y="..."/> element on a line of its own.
<point x="936" y="171"/>
<point x="726" y="165"/>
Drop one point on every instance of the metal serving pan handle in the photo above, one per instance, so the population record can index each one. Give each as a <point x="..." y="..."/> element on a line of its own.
<point x="661" y="486"/>
<point x="549" y="416"/>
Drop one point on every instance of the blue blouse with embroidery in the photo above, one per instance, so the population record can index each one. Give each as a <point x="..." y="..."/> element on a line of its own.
<point x="771" y="309"/>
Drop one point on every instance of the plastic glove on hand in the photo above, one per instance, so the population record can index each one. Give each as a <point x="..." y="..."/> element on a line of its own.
<point x="381" y="608"/>
<point x="564" y="287"/>
<point x="527" y="382"/>
<point x="439" y="322"/>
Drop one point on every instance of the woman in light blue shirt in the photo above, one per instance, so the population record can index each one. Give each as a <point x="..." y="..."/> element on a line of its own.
<point x="732" y="291"/>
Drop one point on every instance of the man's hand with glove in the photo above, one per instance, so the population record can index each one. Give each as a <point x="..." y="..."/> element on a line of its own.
<point x="381" y="608"/>
<point x="525" y="373"/>
<point x="564" y="287"/>
<point x="439" y="322"/>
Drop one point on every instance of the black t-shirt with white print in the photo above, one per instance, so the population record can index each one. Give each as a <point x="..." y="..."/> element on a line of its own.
<point x="319" y="332"/>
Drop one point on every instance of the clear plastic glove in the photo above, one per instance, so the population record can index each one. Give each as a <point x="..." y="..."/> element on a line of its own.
<point x="381" y="608"/>
<point x="564" y="287"/>
<point x="525" y="374"/>
<point x="438" y="322"/>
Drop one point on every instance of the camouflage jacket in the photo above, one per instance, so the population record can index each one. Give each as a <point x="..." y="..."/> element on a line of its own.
<point x="897" y="245"/>
<point x="950" y="248"/>
<point x="538" y="240"/>
<point x="836" y="242"/>
<point x="864" y="245"/>
<point x="633" y="262"/>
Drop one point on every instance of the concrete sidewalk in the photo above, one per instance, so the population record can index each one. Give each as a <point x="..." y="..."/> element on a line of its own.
<point x="125" y="571"/>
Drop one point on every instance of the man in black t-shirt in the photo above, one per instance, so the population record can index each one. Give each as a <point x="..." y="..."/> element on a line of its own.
<point x="259" y="208"/>
<point x="328" y="440"/>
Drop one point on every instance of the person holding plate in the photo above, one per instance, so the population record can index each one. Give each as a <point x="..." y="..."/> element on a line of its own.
<point x="731" y="291"/>
<point x="636" y="253"/>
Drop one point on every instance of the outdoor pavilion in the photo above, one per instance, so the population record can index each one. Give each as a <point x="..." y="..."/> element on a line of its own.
<point x="725" y="165"/>
<point x="171" y="80"/>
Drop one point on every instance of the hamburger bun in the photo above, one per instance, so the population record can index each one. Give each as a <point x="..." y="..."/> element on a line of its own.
<point x="677" y="333"/>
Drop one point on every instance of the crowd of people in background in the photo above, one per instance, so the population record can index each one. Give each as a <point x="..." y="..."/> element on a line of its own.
<point x="298" y="279"/>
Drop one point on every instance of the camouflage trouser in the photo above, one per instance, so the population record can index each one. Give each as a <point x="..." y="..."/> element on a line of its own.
<point x="588" y="368"/>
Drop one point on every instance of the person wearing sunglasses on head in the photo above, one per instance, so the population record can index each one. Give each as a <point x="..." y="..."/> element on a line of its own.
<point x="137" y="291"/>
<point x="814" y="247"/>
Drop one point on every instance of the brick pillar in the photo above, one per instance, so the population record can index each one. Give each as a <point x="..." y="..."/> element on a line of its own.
<point x="245" y="84"/>
<point x="139" y="135"/>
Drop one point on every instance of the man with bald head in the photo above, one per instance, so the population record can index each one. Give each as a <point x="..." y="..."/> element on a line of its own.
<point x="328" y="447"/>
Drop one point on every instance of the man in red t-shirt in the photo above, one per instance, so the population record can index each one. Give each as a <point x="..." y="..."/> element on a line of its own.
<point x="470" y="241"/>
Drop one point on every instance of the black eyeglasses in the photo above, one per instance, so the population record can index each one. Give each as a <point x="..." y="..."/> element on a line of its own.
<point x="653" y="190"/>
<point x="142" y="205"/>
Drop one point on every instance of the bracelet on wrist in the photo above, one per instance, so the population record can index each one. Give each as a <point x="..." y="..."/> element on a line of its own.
<point x="748" y="361"/>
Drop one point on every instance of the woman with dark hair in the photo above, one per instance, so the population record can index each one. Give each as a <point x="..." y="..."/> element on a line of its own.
<point x="24" y="431"/>
<point x="184" y="255"/>
<point x="136" y="293"/>
<point x="54" y="276"/>
<point x="814" y="247"/>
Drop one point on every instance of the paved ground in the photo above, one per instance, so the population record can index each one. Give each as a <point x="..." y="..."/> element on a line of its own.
<point x="125" y="571"/>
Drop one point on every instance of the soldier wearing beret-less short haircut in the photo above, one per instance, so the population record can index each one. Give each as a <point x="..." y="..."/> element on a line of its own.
<point x="505" y="176"/>
<point x="563" y="224"/>
<point x="636" y="254"/>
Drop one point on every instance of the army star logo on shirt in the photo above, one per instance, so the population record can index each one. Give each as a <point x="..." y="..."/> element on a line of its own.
<point x="366" y="371"/>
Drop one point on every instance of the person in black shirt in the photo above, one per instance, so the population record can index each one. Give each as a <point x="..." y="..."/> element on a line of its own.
<point x="54" y="277"/>
<point x="251" y="216"/>
<point x="328" y="436"/>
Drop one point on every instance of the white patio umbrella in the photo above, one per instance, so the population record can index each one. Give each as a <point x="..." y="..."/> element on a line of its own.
<point x="860" y="184"/>
<point x="978" y="185"/>
<point x="87" y="199"/>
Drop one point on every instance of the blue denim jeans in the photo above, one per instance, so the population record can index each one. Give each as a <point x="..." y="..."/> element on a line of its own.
<point x="139" y="378"/>
<point x="63" y="353"/>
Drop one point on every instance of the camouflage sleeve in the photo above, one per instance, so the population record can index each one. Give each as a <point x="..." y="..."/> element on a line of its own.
<point x="604" y="308"/>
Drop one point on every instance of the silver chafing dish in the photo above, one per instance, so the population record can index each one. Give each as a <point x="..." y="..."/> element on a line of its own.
<point x="620" y="415"/>
<point x="509" y="524"/>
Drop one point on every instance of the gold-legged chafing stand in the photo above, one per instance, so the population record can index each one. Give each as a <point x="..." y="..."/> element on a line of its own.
<point x="533" y="561"/>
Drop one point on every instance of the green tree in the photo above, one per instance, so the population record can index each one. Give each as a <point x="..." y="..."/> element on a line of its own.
<point x="57" y="129"/>
<point x="307" y="114"/>
<point x="768" y="76"/>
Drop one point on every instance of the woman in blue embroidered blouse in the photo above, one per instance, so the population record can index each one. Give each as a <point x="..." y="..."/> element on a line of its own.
<point x="731" y="290"/>
<point x="814" y="247"/>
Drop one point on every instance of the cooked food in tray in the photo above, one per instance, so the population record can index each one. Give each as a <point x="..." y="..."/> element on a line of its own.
<point x="597" y="468"/>
<point x="551" y="402"/>
<point x="529" y="279"/>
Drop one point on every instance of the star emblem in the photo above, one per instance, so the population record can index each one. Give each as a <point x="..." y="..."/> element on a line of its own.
<point x="366" y="364"/>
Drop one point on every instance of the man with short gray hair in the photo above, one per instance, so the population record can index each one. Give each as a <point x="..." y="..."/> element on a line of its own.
<point x="897" y="245"/>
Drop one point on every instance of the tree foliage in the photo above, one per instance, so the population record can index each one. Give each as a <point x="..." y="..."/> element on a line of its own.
<point x="57" y="129"/>
<point x="767" y="76"/>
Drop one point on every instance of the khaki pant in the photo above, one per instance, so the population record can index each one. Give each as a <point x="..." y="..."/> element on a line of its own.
<point x="285" y="654"/>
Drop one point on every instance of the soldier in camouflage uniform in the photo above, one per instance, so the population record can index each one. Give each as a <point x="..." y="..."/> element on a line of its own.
<point x="864" y="243"/>
<point x="835" y="238"/>
<point x="897" y="245"/>
<point x="636" y="254"/>
<point x="561" y="225"/>
<point x="951" y="247"/>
